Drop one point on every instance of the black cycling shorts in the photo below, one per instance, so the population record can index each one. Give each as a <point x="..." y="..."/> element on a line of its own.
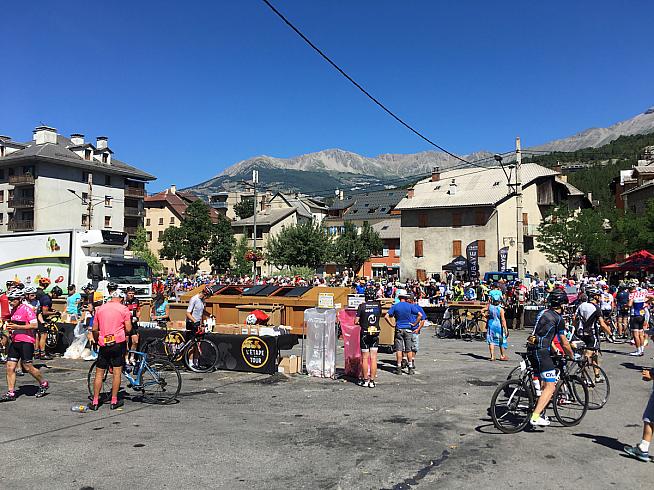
<point x="369" y="342"/>
<point x="636" y="322"/>
<point x="623" y="311"/>
<point x="111" y="356"/>
<point x="20" y="351"/>
<point x="591" y="341"/>
<point x="541" y="360"/>
<point x="42" y="328"/>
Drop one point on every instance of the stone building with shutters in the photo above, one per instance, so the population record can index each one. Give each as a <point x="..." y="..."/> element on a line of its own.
<point x="444" y="213"/>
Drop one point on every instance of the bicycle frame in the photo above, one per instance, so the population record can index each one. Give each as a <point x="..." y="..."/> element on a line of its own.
<point x="141" y="366"/>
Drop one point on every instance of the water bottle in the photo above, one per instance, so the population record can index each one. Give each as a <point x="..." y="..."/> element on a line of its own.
<point x="79" y="408"/>
<point x="536" y="382"/>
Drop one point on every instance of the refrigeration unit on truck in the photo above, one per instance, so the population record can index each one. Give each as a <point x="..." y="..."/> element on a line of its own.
<point x="73" y="257"/>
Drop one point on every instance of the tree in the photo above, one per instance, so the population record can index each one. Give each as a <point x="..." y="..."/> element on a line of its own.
<point x="221" y="245"/>
<point x="301" y="245"/>
<point x="244" y="208"/>
<point x="196" y="229"/>
<point x="240" y="266"/>
<point x="353" y="248"/>
<point x="139" y="245"/>
<point x="636" y="231"/>
<point x="172" y="245"/>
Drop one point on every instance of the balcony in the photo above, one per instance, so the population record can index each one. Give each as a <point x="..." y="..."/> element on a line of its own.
<point x="130" y="230"/>
<point x="132" y="211"/>
<point x="25" y="179"/>
<point x="21" y="202"/>
<point x="530" y="230"/>
<point x="218" y="205"/>
<point x="21" y="225"/>
<point x="136" y="192"/>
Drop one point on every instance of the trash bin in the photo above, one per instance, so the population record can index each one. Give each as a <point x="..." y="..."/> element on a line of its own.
<point x="351" y="342"/>
<point x="320" y="343"/>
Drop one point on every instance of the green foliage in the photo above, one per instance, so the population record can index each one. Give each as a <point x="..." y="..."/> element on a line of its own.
<point x="139" y="245"/>
<point x="245" y="208"/>
<point x="597" y="180"/>
<point x="221" y="245"/>
<point x="197" y="230"/>
<point x="240" y="266"/>
<point x="352" y="248"/>
<point x="303" y="272"/>
<point x="301" y="245"/>
<point x="636" y="232"/>
<point x="172" y="245"/>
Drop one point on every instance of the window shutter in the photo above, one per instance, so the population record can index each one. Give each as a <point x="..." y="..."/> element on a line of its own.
<point x="456" y="219"/>
<point x="480" y="218"/>
<point x="418" y="247"/>
<point x="456" y="248"/>
<point x="422" y="220"/>
<point x="421" y="275"/>
<point x="481" y="248"/>
<point x="525" y="218"/>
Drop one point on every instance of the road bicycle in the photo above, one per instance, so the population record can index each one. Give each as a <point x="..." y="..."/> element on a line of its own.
<point x="157" y="379"/>
<point x="595" y="378"/>
<point x="514" y="400"/>
<point x="198" y="353"/>
<point x="53" y="333"/>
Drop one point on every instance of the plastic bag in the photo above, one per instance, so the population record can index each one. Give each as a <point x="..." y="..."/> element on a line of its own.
<point x="75" y="349"/>
<point x="80" y="329"/>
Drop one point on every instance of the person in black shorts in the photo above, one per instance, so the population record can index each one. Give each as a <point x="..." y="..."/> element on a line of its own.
<point x="134" y="306"/>
<point x="368" y="315"/>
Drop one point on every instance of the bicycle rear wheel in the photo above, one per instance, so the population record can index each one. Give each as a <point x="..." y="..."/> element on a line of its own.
<point x="599" y="388"/>
<point x="515" y="373"/>
<point x="160" y="381"/>
<point x="105" y="388"/>
<point x="570" y="401"/>
<point x="173" y="345"/>
<point x="511" y="406"/>
<point x="201" y="356"/>
<point x="52" y="336"/>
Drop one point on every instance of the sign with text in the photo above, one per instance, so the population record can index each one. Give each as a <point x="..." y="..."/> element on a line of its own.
<point x="326" y="300"/>
<point x="472" y="253"/>
<point x="502" y="259"/>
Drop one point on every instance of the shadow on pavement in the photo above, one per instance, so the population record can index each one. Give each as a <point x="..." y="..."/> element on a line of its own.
<point x="631" y="365"/>
<point x="610" y="442"/>
<point x="475" y="356"/>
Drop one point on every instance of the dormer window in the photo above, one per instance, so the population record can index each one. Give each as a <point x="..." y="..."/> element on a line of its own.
<point x="87" y="154"/>
<point x="105" y="158"/>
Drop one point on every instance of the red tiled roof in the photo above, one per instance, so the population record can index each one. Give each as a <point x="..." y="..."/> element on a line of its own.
<point x="178" y="202"/>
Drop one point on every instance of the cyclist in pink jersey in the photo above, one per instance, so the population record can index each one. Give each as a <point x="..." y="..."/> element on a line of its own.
<point x="23" y="325"/>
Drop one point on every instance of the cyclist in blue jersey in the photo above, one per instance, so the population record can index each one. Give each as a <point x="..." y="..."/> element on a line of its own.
<point x="404" y="314"/>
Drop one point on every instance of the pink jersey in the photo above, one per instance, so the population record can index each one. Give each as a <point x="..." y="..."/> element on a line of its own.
<point x="111" y="318"/>
<point x="24" y="314"/>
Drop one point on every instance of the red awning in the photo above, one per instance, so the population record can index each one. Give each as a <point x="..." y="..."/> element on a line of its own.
<point x="639" y="261"/>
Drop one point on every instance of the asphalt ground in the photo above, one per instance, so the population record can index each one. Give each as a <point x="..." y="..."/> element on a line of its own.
<point x="241" y="430"/>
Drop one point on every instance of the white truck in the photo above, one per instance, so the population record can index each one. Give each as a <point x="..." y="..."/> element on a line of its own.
<point x="73" y="257"/>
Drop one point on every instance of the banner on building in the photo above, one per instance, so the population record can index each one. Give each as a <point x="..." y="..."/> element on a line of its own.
<point x="502" y="259"/>
<point x="472" y="253"/>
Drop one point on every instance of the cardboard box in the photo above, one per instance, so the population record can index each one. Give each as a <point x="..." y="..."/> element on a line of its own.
<point x="290" y="365"/>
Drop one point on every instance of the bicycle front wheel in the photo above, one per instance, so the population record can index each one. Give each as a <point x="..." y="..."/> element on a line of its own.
<point x="511" y="406"/>
<point x="160" y="381"/>
<point x="598" y="385"/>
<point x="173" y="345"/>
<point x="105" y="387"/>
<point x="201" y="356"/>
<point x="570" y="401"/>
<point x="52" y="336"/>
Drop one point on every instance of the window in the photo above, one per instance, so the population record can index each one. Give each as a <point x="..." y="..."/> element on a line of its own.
<point x="85" y="220"/>
<point x="422" y="219"/>
<point x="421" y="275"/>
<point x="160" y="235"/>
<point x="85" y="197"/>
<point x="161" y="220"/>
<point x="418" y="248"/>
<point x="172" y="220"/>
<point x="107" y="180"/>
<point x="481" y="248"/>
<point x="456" y="219"/>
<point x="525" y="218"/>
<point x="2" y="174"/>
<point x="105" y="157"/>
<point x="2" y="196"/>
<point x="385" y="252"/>
<point x="10" y="172"/>
<point x="148" y="236"/>
<point x="87" y="154"/>
<point x="456" y="248"/>
<point x="480" y="218"/>
<point x="107" y="221"/>
<point x="147" y="221"/>
<point x="107" y="201"/>
<point x="2" y="219"/>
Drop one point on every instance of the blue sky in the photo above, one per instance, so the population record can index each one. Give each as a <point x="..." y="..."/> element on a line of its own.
<point x="185" y="89"/>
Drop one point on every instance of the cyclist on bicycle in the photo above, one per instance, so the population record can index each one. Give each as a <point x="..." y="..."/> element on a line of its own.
<point x="589" y="316"/>
<point x="134" y="306"/>
<point x="607" y="304"/>
<point x="195" y="311"/>
<point x="622" y="308"/>
<point x="43" y="314"/>
<point x="549" y="324"/>
<point x="368" y="316"/>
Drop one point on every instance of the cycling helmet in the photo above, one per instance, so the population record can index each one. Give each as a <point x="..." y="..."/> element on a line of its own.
<point x="89" y="287"/>
<point x="112" y="286"/>
<point x="591" y="292"/>
<point x="15" y="294"/>
<point x="29" y="290"/>
<point x="370" y="294"/>
<point x="557" y="298"/>
<point x="130" y="289"/>
<point x="44" y="281"/>
<point x="56" y="291"/>
<point x="207" y="291"/>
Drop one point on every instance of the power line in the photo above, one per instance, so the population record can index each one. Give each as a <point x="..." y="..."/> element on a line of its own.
<point x="357" y="85"/>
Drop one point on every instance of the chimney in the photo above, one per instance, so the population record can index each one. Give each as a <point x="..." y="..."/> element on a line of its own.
<point x="435" y="174"/>
<point x="341" y="195"/>
<point x="102" y="142"/>
<point x="557" y="167"/>
<point x="45" y="134"/>
<point x="590" y="197"/>
<point x="173" y="189"/>
<point x="410" y="193"/>
<point x="452" y="190"/>
<point x="77" y="139"/>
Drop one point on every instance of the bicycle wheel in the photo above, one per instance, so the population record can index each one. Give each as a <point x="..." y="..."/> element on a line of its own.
<point x="173" y="345"/>
<point x="445" y="330"/>
<point x="155" y="348"/>
<point x="515" y="373"/>
<point x="599" y="387"/>
<point x="511" y="406"/>
<point x="105" y="389"/>
<point x="201" y="356"/>
<point x="570" y="401"/>
<point x="160" y="381"/>
<point x="52" y="336"/>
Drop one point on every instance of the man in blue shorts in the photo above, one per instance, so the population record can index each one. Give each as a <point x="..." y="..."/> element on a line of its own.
<point x="404" y="314"/>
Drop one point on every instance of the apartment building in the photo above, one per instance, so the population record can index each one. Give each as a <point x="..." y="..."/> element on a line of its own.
<point x="54" y="182"/>
<point x="364" y="207"/>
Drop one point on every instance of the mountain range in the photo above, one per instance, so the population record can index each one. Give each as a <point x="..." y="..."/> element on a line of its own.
<point x="322" y="172"/>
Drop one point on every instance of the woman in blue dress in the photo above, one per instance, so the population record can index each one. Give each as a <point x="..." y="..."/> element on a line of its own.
<point x="496" y="332"/>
